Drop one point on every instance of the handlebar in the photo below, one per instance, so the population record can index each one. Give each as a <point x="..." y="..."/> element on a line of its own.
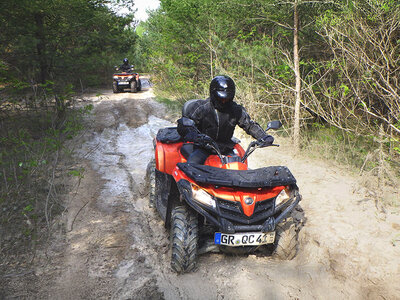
<point x="250" y="149"/>
<point x="253" y="146"/>
<point x="214" y="146"/>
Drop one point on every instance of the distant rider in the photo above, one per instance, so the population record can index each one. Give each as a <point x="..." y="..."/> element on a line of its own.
<point x="215" y="119"/>
<point x="125" y="67"/>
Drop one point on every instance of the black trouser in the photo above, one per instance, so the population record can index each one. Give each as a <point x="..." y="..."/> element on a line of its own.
<point x="194" y="154"/>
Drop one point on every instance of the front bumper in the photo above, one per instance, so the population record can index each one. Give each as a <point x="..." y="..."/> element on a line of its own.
<point x="228" y="216"/>
<point x="123" y="83"/>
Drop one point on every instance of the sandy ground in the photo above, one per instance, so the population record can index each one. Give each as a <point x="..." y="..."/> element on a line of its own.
<point x="111" y="245"/>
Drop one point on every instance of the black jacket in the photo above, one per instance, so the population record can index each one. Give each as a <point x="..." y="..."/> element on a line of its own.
<point x="219" y="125"/>
<point x="125" y="67"/>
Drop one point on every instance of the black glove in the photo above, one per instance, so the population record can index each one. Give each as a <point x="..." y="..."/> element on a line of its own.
<point x="266" y="140"/>
<point x="191" y="136"/>
<point x="203" y="139"/>
<point x="198" y="138"/>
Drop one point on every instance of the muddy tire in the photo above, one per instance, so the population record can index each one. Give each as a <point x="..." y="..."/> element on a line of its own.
<point x="151" y="179"/>
<point x="139" y="88"/>
<point x="133" y="86"/>
<point x="286" y="239"/>
<point x="183" y="239"/>
<point x="115" y="87"/>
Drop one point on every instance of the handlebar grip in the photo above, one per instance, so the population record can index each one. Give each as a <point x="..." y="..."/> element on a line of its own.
<point x="265" y="145"/>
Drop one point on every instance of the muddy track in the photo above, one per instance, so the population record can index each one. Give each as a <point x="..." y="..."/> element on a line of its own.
<point x="114" y="246"/>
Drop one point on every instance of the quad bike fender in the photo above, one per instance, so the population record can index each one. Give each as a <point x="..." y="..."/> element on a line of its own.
<point x="166" y="197"/>
<point x="164" y="182"/>
<point x="288" y="206"/>
<point x="167" y="156"/>
<point x="172" y="201"/>
<point x="185" y="190"/>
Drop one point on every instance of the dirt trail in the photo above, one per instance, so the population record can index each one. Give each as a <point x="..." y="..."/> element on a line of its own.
<point x="115" y="246"/>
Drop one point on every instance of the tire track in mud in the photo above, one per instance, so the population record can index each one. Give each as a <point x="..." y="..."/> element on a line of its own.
<point x="132" y="184"/>
<point x="129" y="149"/>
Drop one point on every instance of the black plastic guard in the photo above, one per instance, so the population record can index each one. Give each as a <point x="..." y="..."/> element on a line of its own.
<point x="263" y="177"/>
<point x="168" y="135"/>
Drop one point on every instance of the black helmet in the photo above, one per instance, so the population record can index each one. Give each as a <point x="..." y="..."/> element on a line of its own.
<point x="222" y="91"/>
<point x="126" y="61"/>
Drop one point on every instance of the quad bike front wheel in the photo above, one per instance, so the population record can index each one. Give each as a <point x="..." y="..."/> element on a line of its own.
<point x="183" y="239"/>
<point x="115" y="87"/>
<point x="286" y="239"/>
<point x="134" y="88"/>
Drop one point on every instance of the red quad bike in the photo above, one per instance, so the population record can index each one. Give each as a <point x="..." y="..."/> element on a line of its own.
<point x="126" y="80"/>
<point x="222" y="205"/>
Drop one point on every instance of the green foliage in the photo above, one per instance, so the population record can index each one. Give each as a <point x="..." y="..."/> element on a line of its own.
<point x="191" y="41"/>
<point x="173" y="105"/>
<point x="77" y="173"/>
<point x="349" y="62"/>
<point x="31" y="142"/>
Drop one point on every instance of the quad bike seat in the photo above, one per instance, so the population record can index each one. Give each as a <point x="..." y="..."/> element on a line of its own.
<point x="258" y="178"/>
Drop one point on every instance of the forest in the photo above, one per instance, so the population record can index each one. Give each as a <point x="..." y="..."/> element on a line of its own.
<point x="329" y="70"/>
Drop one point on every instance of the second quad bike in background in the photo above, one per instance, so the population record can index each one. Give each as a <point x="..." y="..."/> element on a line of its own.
<point x="222" y="205"/>
<point x="126" y="80"/>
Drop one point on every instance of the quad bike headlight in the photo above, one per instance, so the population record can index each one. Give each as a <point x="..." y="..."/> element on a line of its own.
<point x="202" y="196"/>
<point x="115" y="77"/>
<point x="283" y="196"/>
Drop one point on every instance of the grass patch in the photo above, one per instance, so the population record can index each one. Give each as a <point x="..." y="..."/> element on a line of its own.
<point x="362" y="153"/>
<point x="171" y="104"/>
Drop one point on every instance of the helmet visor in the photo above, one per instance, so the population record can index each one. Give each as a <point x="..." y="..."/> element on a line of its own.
<point x="225" y="96"/>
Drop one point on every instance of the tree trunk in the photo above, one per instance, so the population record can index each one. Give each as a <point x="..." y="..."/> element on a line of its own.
<point x="211" y="61"/>
<point x="41" y="46"/>
<point x="296" y="127"/>
<point x="211" y="52"/>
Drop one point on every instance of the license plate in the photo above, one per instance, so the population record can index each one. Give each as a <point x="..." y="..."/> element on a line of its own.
<point x="123" y="82"/>
<point x="244" y="239"/>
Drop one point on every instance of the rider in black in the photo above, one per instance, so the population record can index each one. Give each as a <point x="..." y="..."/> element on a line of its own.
<point x="125" y="67"/>
<point x="215" y="118"/>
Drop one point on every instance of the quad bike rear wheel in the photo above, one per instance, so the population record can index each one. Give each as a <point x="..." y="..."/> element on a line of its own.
<point x="183" y="239"/>
<point x="134" y="86"/>
<point x="286" y="239"/>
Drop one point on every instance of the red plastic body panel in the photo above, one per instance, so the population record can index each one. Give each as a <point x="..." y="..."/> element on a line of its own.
<point x="213" y="160"/>
<point x="167" y="156"/>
